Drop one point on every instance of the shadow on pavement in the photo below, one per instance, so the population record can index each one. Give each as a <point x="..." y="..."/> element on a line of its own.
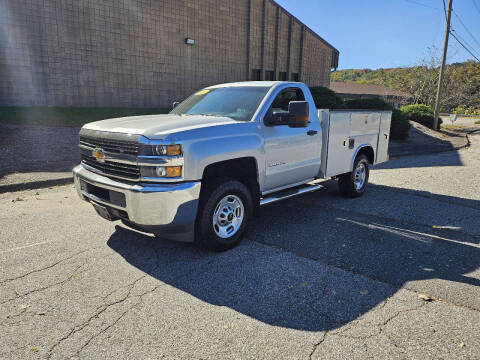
<point x="451" y="200"/>
<point x="423" y="140"/>
<point x="288" y="289"/>
<point x="263" y="283"/>
<point x="446" y="158"/>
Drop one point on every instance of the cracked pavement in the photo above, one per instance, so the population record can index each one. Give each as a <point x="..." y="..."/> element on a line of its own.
<point x="395" y="274"/>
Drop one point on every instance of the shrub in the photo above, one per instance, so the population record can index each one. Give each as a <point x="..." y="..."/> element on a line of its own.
<point x="420" y="113"/>
<point x="326" y="99"/>
<point x="369" y="103"/>
<point x="399" y="127"/>
<point x="462" y="110"/>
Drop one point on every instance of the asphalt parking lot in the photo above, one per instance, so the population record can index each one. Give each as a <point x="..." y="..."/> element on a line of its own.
<point x="394" y="274"/>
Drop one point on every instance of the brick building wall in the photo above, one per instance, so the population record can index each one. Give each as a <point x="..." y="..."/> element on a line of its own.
<point x="133" y="52"/>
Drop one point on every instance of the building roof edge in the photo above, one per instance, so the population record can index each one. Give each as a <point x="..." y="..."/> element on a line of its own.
<point x="306" y="27"/>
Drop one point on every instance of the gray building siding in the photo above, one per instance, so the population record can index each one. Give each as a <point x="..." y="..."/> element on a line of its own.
<point x="133" y="53"/>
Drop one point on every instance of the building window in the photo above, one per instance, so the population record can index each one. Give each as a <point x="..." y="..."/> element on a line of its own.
<point x="282" y="76"/>
<point x="295" y="77"/>
<point x="256" y="74"/>
<point x="269" y="75"/>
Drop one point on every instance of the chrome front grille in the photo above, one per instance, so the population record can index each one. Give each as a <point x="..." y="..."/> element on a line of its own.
<point x="112" y="146"/>
<point x="112" y="168"/>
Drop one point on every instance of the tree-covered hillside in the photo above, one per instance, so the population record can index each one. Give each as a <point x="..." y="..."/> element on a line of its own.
<point x="461" y="84"/>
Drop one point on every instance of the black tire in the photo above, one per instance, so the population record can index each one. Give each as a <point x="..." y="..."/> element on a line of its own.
<point x="346" y="182"/>
<point x="212" y="196"/>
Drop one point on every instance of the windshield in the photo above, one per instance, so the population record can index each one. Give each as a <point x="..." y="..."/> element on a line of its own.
<point x="238" y="103"/>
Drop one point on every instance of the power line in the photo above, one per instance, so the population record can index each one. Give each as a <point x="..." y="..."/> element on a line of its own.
<point x="456" y="37"/>
<point x="421" y="4"/>
<point x="465" y="42"/>
<point x="471" y="53"/>
<point x="476" y="5"/>
<point x="465" y="27"/>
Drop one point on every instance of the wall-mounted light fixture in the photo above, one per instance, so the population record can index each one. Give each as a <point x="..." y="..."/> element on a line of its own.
<point x="189" y="41"/>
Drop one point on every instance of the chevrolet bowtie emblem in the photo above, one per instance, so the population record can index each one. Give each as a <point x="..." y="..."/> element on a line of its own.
<point x="99" y="155"/>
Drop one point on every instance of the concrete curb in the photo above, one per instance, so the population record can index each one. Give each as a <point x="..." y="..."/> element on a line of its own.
<point x="35" y="184"/>
<point x="429" y="152"/>
<point x="466" y="144"/>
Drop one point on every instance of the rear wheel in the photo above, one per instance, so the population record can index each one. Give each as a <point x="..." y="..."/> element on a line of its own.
<point x="353" y="184"/>
<point x="225" y="208"/>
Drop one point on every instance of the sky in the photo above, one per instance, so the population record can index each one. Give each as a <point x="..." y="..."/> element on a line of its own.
<point x="389" y="33"/>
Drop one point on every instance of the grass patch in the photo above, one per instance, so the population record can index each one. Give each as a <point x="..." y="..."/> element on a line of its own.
<point x="452" y="127"/>
<point x="67" y="116"/>
<point x="477" y="122"/>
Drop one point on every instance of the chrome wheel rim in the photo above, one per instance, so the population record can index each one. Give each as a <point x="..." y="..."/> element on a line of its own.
<point x="360" y="175"/>
<point x="228" y="216"/>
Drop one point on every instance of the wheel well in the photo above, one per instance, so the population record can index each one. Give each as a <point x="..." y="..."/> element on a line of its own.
<point x="368" y="152"/>
<point x="241" y="169"/>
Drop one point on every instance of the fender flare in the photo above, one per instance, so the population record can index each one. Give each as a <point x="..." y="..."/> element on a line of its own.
<point x="360" y="147"/>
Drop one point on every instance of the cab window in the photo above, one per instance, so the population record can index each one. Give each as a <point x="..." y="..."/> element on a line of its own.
<point x="285" y="96"/>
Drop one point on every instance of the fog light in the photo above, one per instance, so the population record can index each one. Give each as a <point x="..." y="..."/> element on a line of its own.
<point x="168" y="171"/>
<point x="160" y="171"/>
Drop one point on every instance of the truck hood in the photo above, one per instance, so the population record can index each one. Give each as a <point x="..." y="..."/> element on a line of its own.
<point x="158" y="126"/>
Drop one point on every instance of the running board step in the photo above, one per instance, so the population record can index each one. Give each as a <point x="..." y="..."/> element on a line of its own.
<point x="285" y="194"/>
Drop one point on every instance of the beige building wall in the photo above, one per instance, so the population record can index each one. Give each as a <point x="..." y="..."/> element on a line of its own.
<point x="133" y="53"/>
<point x="295" y="47"/>
<point x="283" y="31"/>
<point x="270" y="33"/>
<point x="256" y="34"/>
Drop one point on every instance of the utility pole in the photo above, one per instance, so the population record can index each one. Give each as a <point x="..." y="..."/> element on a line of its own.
<point x="442" y="67"/>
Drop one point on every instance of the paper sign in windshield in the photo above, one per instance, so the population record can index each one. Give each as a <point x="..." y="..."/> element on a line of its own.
<point x="202" y="92"/>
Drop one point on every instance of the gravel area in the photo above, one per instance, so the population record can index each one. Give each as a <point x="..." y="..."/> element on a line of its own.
<point x="461" y="120"/>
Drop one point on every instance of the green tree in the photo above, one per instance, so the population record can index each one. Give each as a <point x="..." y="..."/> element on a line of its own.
<point x="326" y="98"/>
<point x="461" y="85"/>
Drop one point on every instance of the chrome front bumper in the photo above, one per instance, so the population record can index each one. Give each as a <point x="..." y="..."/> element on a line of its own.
<point x="168" y="210"/>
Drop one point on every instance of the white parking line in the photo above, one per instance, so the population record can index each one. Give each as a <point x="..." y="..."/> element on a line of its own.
<point x="27" y="246"/>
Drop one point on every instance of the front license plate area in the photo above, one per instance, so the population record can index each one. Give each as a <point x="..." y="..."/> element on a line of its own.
<point x="102" y="211"/>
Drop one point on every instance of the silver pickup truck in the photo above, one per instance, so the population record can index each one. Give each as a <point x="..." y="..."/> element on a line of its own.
<point x="201" y="171"/>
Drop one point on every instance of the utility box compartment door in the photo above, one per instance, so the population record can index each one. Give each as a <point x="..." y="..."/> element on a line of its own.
<point x="383" y="137"/>
<point x="339" y="149"/>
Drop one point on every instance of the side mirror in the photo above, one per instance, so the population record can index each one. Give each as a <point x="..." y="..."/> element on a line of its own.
<point x="298" y="114"/>
<point x="296" y="117"/>
<point x="175" y="104"/>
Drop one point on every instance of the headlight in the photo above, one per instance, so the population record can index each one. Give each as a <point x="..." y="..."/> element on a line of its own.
<point x="161" y="171"/>
<point x="168" y="150"/>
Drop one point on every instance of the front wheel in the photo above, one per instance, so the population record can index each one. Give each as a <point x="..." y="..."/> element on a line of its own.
<point x="225" y="208"/>
<point x="353" y="184"/>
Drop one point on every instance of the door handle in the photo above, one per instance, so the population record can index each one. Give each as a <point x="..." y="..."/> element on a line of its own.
<point x="311" y="132"/>
<point x="351" y="143"/>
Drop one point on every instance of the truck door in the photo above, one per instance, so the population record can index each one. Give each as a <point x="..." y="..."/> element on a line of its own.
<point x="383" y="137"/>
<point x="292" y="155"/>
<point x="340" y="149"/>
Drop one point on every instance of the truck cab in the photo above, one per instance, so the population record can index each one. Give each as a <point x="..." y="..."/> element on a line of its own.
<point x="199" y="172"/>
